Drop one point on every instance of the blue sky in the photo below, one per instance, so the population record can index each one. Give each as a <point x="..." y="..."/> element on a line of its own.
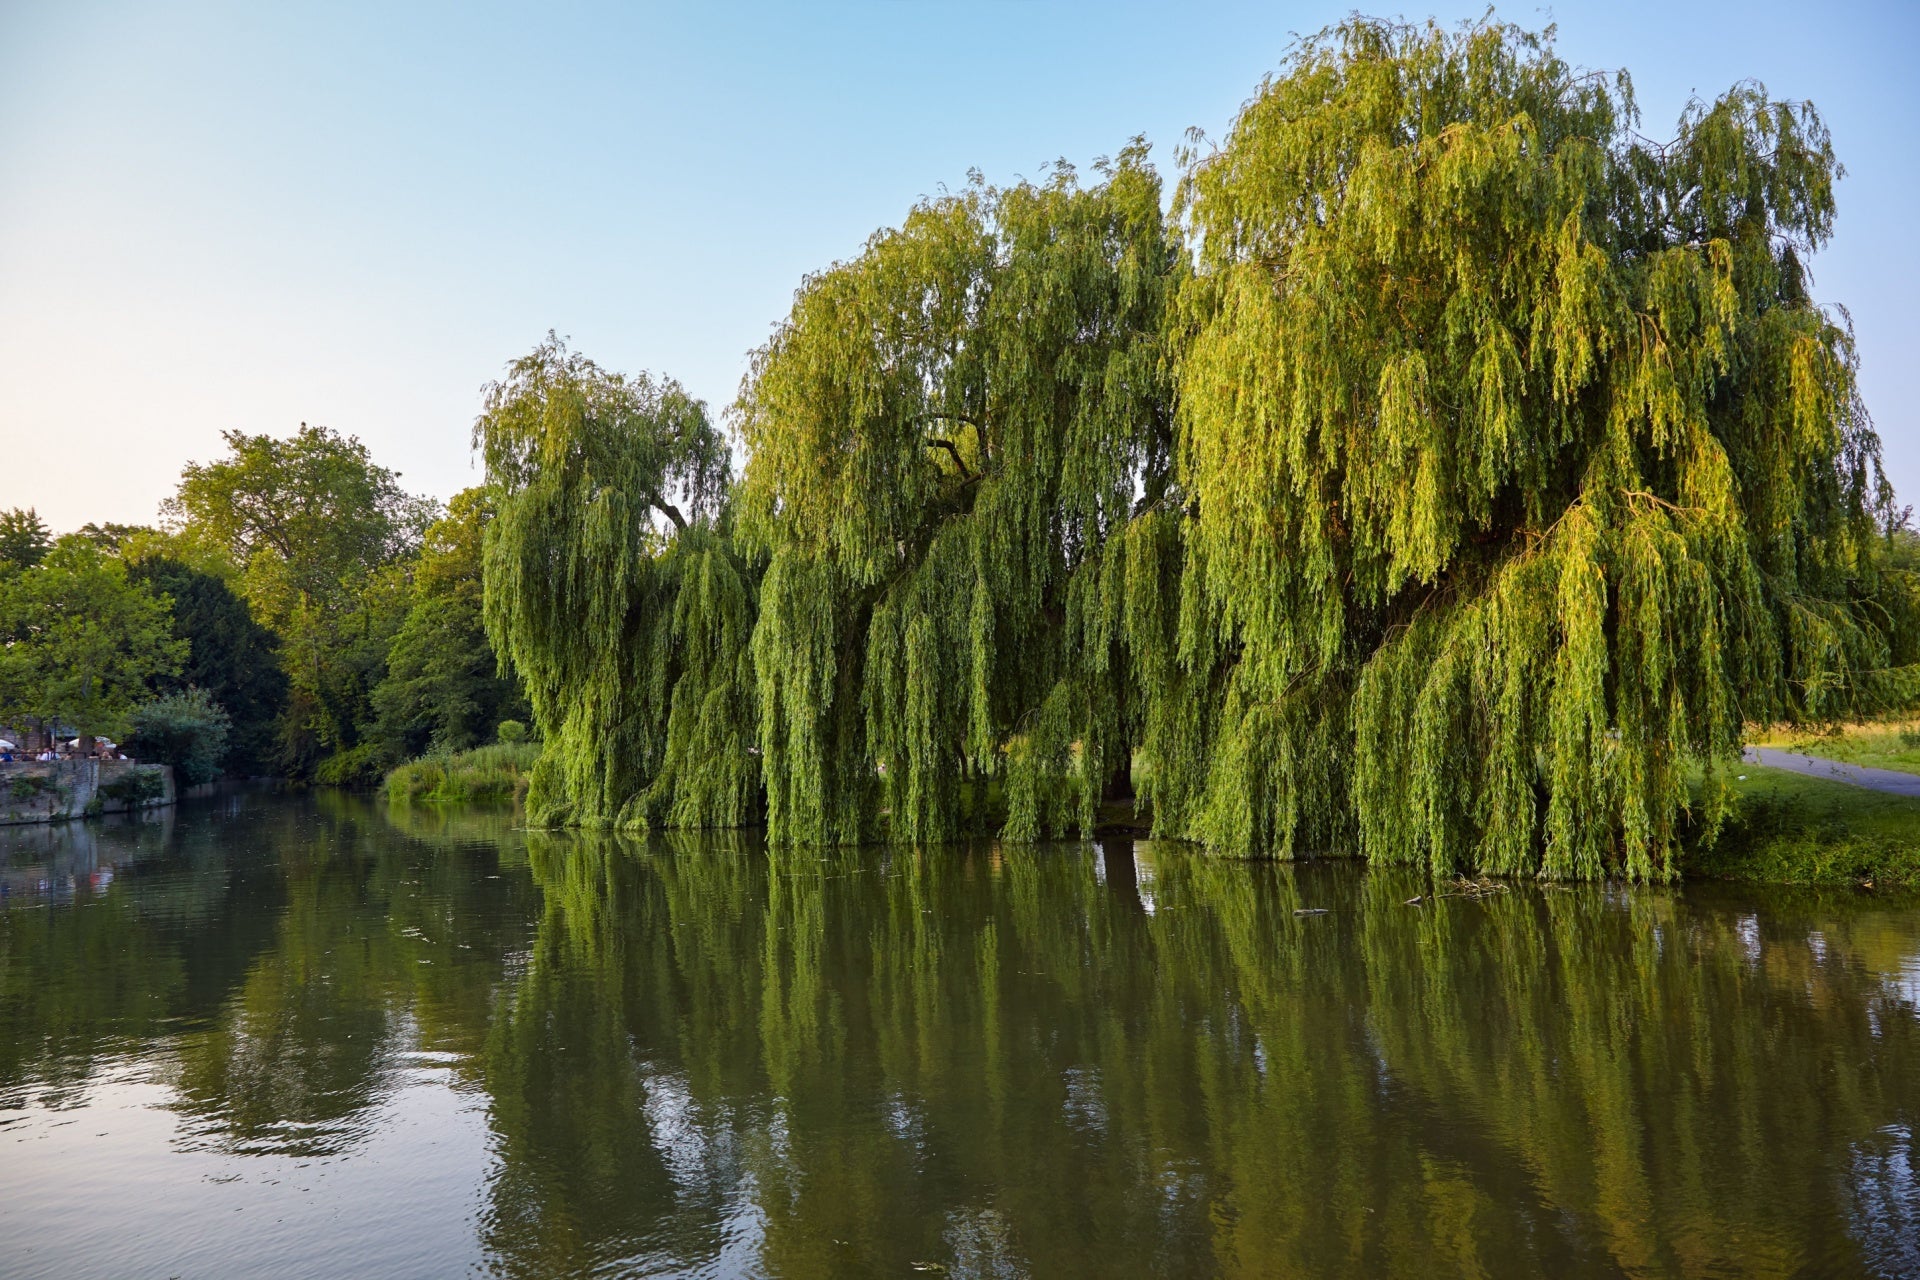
<point x="231" y="215"/>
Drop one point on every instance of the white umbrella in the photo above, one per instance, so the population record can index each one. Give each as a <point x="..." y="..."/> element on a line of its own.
<point x="6" y="746"/>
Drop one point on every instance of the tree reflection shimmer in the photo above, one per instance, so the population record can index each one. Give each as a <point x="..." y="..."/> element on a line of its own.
<point x="693" y="1054"/>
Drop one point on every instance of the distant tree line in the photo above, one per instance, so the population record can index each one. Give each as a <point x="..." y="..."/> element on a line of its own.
<point x="297" y="614"/>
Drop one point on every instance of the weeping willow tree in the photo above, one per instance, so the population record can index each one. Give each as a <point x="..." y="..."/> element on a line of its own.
<point x="1524" y="469"/>
<point x="961" y="474"/>
<point x="613" y="591"/>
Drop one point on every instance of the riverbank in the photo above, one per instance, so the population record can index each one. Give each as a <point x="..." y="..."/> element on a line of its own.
<point x="488" y="774"/>
<point x="1796" y="829"/>
<point x="60" y="790"/>
<point x="1893" y="743"/>
<point x="1786" y="828"/>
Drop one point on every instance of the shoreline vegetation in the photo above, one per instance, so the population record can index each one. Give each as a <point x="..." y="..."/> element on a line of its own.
<point x="1450" y="477"/>
<point x="496" y="773"/>
<point x="1783" y="827"/>
<point x="1435" y="468"/>
<point x="1788" y="828"/>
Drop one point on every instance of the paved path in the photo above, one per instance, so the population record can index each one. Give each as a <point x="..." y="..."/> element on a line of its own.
<point x="1891" y="781"/>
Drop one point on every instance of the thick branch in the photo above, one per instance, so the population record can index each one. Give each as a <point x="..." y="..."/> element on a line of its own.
<point x="937" y="442"/>
<point x="668" y="510"/>
<point x="979" y="427"/>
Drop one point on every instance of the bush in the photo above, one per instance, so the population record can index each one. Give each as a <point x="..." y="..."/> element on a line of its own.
<point x="361" y="766"/>
<point x="134" y="787"/>
<point x="495" y="773"/>
<point x="511" y="731"/>
<point x="187" y="730"/>
<point x="29" y="786"/>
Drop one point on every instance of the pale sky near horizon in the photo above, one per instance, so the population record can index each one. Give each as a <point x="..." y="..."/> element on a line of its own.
<point x="226" y="215"/>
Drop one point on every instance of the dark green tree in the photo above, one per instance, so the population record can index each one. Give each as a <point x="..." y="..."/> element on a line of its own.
<point x="24" y="540"/>
<point x="230" y="656"/>
<point x="187" y="730"/>
<point x="320" y="532"/>
<point x="444" y="688"/>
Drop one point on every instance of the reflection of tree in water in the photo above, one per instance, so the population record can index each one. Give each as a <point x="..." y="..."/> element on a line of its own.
<point x="1116" y="1060"/>
<point x="284" y="955"/>
<point x="382" y="945"/>
<point x="1037" y="1060"/>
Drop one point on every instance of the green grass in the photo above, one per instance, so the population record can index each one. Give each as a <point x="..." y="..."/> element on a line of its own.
<point x="494" y="773"/>
<point x="1884" y="744"/>
<point x="1788" y="828"/>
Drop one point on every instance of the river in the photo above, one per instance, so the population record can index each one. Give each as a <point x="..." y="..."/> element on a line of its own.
<point x="312" y="1037"/>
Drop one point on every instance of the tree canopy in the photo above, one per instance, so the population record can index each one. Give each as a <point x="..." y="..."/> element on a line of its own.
<point x="444" y="689"/>
<point x="80" y="640"/>
<point x="947" y="436"/>
<point x="321" y="533"/>
<point x="1449" y="477"/>
<point x="187" y="729"/>
<point x="613" y="593"/>
<point x="231" y="658"/>
<point x="1525" y="469"/>
<point x="24" y="540"/>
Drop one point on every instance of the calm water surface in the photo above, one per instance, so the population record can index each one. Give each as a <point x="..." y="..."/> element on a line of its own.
<point x="310" y="1038"/>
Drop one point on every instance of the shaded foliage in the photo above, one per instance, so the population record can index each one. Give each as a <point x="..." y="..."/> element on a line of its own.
<point x="320" y="533"/>
<point x="24" y="540"/>
<point x="948" y="435"/>
<point x="613" y="591"/>
<point x="230" y="656"/>
<point x="187" y="730"/>
<point x="443" y="689"/>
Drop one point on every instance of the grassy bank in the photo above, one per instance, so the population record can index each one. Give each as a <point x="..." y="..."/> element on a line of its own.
<point x="494" y="773"/>
<point x="1881" y="744"/>
<point x="1788" y="828"/>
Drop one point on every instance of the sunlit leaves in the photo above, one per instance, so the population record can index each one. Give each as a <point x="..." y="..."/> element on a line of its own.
<point x="613" y="591"/>
<point x="1517" y="434"/>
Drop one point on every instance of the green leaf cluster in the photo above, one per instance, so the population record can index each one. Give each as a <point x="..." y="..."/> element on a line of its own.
<point x="443" y="690"/>
<point x="231" y="658"/>
<point x="1525" y="469"/>
<point x="80" y="640"/>
<point x="24" y="540"/>
<point x="322" y="536"/>
<point x="947" y="435"/>
<point x="613" y="590"/>
<point x="187" y="730"/>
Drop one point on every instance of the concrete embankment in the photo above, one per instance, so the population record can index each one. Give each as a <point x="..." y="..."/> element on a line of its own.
<point x="56" y="790"/>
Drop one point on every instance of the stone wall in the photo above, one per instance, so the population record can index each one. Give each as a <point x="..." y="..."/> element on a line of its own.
<point x="56" y="790"/>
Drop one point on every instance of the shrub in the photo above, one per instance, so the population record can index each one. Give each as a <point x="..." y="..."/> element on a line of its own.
<point x="361" y="766"/>
<point x="29" y="786"/>
<point x="135" y="787"/>
<point x="512" y="731"/>
<point x="495" y="773"/>
<point x="187" y="730"/>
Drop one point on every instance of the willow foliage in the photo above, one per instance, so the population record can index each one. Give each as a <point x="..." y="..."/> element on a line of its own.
<point x="950" y="436"/>
<point x="612" y="589"/>
<point x="1525" y="470"/>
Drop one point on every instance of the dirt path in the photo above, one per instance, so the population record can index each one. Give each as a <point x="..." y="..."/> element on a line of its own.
<point x="1891" y="781"/>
